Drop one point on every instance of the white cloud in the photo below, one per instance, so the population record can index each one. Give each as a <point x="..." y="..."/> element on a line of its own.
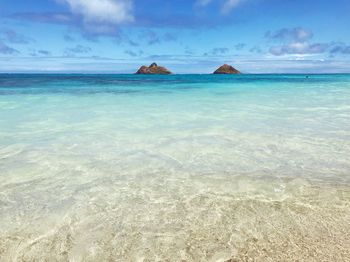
<point x="230" y="4"/>
<point x="297" y="34"/>
<point x="227" y="5"/>
<point x="299" y="48"/>
<point x="295" y="41"/>
<point x="102" y="11"/>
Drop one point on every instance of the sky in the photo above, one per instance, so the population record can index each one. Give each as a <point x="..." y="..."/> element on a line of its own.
<point x="186" y="36"/>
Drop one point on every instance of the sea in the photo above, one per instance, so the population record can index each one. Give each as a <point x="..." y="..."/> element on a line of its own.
<point x="174" y="168"/>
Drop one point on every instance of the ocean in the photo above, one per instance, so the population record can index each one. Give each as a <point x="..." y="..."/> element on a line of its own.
<point x="174" y="168"/>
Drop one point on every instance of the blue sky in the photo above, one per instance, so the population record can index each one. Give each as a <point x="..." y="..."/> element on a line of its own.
<point x="187" y="36"/>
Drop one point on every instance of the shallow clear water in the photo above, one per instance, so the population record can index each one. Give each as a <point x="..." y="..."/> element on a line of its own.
<point x="174" y="168"/>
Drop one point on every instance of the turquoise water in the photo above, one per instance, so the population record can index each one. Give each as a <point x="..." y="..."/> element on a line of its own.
<point x="180" y="167"/>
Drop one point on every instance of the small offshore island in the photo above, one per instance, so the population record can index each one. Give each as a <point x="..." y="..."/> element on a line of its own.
<point x="153" y="69"/>
<point x="226" y="70"/>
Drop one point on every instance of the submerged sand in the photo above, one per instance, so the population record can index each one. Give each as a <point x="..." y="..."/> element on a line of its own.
<point x="159" y="217"/>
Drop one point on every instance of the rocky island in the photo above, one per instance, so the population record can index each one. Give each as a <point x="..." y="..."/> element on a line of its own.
<point x="227" y="69"/>
<point x="153" y="69"/>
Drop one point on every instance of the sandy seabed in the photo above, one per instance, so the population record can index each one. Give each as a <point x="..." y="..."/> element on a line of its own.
<point x="161" y="216"/>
